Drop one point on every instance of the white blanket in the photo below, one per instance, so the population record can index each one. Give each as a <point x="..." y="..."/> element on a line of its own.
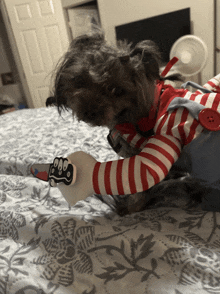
<point x="48" y="247"/>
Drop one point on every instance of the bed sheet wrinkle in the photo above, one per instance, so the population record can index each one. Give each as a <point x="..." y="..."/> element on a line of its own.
<point x="51" y="248"/>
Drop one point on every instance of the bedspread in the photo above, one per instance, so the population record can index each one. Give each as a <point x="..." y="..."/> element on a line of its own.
<point x="48" y="247"/>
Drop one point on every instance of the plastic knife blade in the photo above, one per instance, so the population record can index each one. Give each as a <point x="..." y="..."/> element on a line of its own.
<point x="41" y="171"/>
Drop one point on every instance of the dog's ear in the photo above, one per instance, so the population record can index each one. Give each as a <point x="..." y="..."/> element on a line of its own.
<point x="51" y="101"/>
<point x="150" y="57"/>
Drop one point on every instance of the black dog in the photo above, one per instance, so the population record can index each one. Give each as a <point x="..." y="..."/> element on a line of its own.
<point x="105" y="85"/>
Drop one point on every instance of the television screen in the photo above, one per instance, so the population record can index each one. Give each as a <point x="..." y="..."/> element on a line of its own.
<point x="163" y="29"/>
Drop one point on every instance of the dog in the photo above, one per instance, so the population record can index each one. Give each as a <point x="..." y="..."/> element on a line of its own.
<point x="105" y="85"/>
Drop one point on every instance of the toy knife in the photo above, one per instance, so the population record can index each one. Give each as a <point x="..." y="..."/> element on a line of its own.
<point x="60" y="171"/>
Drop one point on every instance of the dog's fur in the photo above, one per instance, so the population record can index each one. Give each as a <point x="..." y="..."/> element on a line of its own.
<point x="106" y="85"/>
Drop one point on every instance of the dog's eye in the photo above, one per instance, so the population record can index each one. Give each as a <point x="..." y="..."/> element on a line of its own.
<point x="79" y="82"/>
<point x="122" y="113"/>
<point x="118" y="91"/>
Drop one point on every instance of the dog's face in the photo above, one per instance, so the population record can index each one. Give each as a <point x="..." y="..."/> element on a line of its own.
<point x="105" y="85"/>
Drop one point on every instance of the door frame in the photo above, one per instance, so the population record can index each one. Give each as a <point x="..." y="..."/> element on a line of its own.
<point x="16" y="55"/>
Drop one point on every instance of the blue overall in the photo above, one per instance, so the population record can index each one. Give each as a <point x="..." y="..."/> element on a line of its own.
<point x="201" y="157"/>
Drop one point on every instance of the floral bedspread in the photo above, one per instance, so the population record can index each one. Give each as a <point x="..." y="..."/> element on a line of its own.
<point x="48" y="247"/>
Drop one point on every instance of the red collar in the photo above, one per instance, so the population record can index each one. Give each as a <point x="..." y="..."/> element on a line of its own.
<point x="147" y="123"/>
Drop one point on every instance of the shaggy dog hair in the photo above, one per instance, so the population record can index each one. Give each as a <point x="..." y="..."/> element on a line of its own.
<point x="107" y="85"/>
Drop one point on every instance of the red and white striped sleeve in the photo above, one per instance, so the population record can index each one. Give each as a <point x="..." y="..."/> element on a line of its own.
<point x="150" y="166"/>
<point x="134" y="139"/>
<point x="138" y="173"/>
<point x="213" y="84"/>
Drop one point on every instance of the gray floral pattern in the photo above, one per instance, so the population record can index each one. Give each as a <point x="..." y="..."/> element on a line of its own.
<point x="48" y="247"/>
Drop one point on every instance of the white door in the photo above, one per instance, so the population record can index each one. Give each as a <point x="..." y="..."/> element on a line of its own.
<point x="40" y="34"/>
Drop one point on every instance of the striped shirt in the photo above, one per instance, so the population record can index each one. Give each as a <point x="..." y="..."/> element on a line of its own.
<point x="173" y="130"/>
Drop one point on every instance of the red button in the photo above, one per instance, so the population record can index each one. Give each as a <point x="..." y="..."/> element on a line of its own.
<point x="210" y="119"/>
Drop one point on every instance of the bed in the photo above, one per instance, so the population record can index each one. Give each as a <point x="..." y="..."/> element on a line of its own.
<point x="48" y="247"/>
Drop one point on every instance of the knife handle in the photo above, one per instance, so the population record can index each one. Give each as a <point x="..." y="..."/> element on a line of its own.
<point x="62" y="171"/>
